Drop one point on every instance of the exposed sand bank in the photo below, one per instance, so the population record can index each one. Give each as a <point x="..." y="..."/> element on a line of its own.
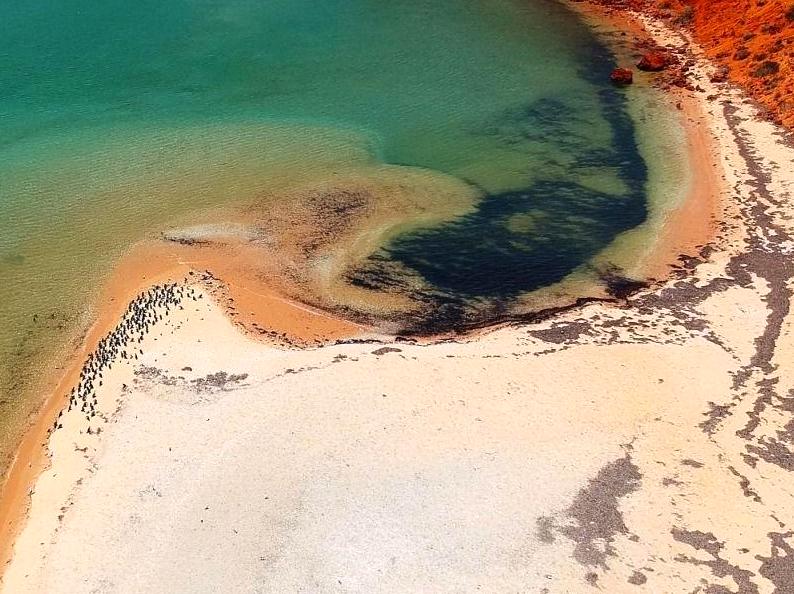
<point x="356" y="471"/>
<point x="647" y="446"/>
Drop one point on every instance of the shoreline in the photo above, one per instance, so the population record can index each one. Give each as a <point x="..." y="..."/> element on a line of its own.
<point x="692" y="224"/>
<point x="31" y="458"/>
<point x="587" y="450"/>
<point x="133" y="275"/>
<point x="737" y="38"/>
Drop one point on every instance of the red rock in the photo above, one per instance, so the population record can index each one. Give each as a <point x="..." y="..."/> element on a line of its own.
<point x="732" y="31"/>
<point x="721" y="75"/>
<point x="622" y="76"/>
<point x="652" y="62"/>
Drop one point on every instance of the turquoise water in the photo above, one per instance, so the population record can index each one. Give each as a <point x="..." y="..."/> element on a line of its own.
<point x="120" y="119"/>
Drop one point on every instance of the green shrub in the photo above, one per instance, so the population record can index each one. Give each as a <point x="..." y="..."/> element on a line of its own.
<point x="686" y="15"/>
<point x="767" y="68"/>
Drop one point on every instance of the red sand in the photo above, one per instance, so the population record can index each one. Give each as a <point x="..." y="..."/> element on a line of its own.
<point x="752" y="39"/>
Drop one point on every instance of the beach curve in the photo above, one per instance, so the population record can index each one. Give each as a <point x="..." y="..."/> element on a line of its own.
<point x="577" y="327"/>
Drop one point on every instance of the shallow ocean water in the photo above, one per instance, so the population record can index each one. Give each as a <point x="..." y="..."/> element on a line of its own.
<point x="119" y="120"/>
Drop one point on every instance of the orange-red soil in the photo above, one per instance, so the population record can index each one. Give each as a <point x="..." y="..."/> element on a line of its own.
<point x="753" y="40"/>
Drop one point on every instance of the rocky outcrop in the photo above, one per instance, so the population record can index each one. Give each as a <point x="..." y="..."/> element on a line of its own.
<point x="755" y="41"/>
<point x="652" y="62"/>
<point x="622" y="76"/>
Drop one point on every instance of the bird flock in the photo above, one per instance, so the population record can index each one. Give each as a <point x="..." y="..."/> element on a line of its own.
<point x="123" y="343"/>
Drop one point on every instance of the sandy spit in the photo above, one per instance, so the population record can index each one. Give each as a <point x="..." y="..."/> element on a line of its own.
<point x="255" y="308"/>
<point x="647" y="447"/>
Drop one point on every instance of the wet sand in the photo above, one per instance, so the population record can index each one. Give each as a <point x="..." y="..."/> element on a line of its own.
<point x="694" y="223"/>
<point x="592" y="452"/>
